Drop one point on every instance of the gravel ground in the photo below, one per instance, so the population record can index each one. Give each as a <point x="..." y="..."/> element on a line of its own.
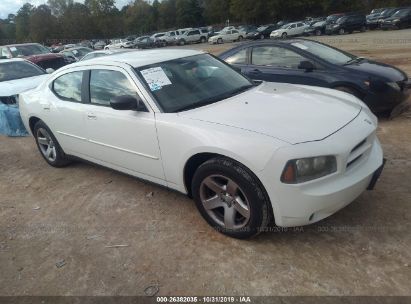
<point x="57" y="226"/>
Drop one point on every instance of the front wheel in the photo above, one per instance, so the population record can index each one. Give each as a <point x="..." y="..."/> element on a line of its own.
<point x="341" y="31"/>
<point x="318" y="32"/>
<point x="284" y="35"/>
<point x="240" y="38"/>
<point x="230" y="198"/>
<point x="220" y="41"/>
<point x="48" y="146"/>
<point x="203" y="40"/>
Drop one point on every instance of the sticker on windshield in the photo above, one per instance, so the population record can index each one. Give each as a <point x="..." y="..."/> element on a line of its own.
<point x="299" y="45"/>
<point x="155" y="78"/>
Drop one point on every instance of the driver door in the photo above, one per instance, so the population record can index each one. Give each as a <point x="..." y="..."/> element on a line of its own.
<point x="278" y="64"/>
<point x="126" y="139"/>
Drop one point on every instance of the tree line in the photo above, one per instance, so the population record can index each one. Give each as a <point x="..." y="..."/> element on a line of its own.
<point x="69" y="20"/>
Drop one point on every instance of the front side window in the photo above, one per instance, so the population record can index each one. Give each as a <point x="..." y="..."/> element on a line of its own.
<point x="18" y="70"/>
<point x="106" y="84"/>
<point x="276" y="57"/>
<point x="324" y="52"/>
<point x="191" y="82"/>
<point x="238" y="58"/>
<point x="68" y="86"/>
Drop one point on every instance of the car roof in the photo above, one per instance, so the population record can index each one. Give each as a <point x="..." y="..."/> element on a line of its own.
<point x="141" y="58"/>
<point x="21" y="44"/>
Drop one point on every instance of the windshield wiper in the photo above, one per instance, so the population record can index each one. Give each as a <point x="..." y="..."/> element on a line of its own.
<point x="354" y="60"/>
<point x="215" y="98"/>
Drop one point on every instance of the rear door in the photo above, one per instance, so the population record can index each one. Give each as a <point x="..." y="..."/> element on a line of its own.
<point x="64" y="108"/>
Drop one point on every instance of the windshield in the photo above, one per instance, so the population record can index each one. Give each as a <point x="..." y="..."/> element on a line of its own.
<point x="192" y="82"/>
<point x="18" y="70"/>
<point x="262" y="28"/>
<point x="79" y="53"/>
<point x="402" y="13"/>
<point x="332" y="18"/>
<point x="285" y="26"/>
<point x="28" y="50"/>
<point x="324" y="52"/>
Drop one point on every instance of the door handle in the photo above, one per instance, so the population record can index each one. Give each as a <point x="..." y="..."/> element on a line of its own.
<point x="255" y="71"/>
<point x="91" y="116"/>
<point x="46" y="106"/>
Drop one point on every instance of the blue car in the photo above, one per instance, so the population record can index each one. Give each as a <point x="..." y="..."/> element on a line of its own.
<point x="382" y="87"/>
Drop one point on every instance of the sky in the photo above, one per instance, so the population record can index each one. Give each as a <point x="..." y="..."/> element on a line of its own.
<point x="12" y="6"/>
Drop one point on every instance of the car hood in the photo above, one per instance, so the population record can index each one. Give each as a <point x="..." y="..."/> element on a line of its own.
<point x="378" y="69"/>
<point x="17" y="86"/>
<point x="291" y="113"/>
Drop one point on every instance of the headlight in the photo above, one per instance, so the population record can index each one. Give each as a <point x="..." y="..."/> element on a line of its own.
<point x="306" y="169"/>
<point x="394" y="86"/>
<point x="396" y="20"/>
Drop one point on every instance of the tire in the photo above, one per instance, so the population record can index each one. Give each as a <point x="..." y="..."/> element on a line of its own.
<point x="240" y="38"/>
<point x="48" y="146"/>
<point x="242" y="211"/>
<point x="219" y="40"/>
<point x="341" y="31"/>
<point x="262" y="37"/>
<point x="203" y="40"/>
<point x="349" y="90"/>
<point x="284" y="35"/>
<point x="318" y="32"/>
<point x="182" y="42"/>
<point x="363" y="29"/>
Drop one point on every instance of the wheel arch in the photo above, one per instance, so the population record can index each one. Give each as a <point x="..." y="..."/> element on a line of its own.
<point x="196" y="160"/>
<point x="349" y="85"/>
<point x="32" y="122"/>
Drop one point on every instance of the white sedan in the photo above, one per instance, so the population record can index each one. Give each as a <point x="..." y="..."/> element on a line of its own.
<point x="227" y="35"/>
<point x="17" y="76"/>
<point x="291" y="29"/>
<point x="248" y="153"/>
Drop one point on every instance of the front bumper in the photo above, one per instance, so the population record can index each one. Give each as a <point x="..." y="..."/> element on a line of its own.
<point x="387" y="98"/>
<point x="307" y="203"/>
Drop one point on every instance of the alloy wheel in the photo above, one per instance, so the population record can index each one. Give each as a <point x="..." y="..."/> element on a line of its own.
<point x="46" y="144"/>
<point x="225" y="202"/>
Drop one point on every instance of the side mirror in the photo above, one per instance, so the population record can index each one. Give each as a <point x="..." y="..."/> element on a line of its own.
<point x="49" y="70"/>
<point x="127" y="102"/>
<point x="306" y="65"/>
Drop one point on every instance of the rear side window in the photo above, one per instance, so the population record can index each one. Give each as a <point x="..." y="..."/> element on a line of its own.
<point x="68" y="86"/>
<point x="106" y="84"/>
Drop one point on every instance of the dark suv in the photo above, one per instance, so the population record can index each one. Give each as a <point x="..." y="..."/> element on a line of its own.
<point x="348" y="24"/>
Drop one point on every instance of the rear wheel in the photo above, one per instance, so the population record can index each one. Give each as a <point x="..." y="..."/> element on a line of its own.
<point x="262" y="37"/>
<point x="341" y="31"/>
<point x="48" y="146"/>
<point x="230" y="198"/>
<point x="318" y="32"/>
<point x="363" y="28"/>
<point x="203" y="40"/>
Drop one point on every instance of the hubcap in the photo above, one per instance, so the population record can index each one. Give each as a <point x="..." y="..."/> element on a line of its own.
<point x="225" y="202"/>
<point x="46" y="144"/>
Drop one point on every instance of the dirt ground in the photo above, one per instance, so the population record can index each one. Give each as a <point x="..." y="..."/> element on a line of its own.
<point x="56" y="226"/>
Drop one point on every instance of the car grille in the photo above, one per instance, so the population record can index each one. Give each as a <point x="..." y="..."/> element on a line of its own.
<point x="8" y="100"/>
<point x="54" y="63"/>
<point x="360" y="151"/>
